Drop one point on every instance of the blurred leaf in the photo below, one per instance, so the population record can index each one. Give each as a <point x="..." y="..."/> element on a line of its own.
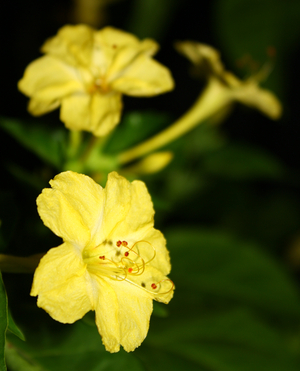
<point x="135" y="127"/>
<point x="249" y="27"/>
<point x="12" y="327"/>
<point x="150" y="18"/>
<point x="212" y="266"/>
<point x="74" y="347"/>
<point x="48" y="144"/>
<point x="227" y="341"/>
<point x="239" y="161"/>
<point x="3" y="323"/>
<point x="8" y="218"/>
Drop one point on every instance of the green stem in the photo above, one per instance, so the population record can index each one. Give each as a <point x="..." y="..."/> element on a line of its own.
<point x="75" y="140"/>
<point x="215" y="97"/>
<point x="17" y="264"/>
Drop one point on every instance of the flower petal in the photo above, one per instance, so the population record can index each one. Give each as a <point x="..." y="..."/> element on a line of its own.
<point x="143" y="77"/>
<point x="122" y="314"/>
<point x="60" y="281"/>
<point x="47" y="80"/>
<point x="97" y="113"/>
<point x="250" y="94"/>
<point x="72" y="44"/>
<point x="73" y="208"/>
<point x="128" y="209"/>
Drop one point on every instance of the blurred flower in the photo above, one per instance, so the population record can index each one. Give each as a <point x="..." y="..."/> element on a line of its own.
<point x="207" y="62"/>
<point x="151" y="163"/>
<point x="112" y="260"/>
<point x="87" y="71"/>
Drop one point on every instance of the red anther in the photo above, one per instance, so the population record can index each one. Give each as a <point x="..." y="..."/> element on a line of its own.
<point x="126" y="253"/>
<point x="130" y="270"/>
<point x="119" y="243"/>
<point x="154" y="286"/>
<point x="124" y="243"/>
<point x="102" y="257"/>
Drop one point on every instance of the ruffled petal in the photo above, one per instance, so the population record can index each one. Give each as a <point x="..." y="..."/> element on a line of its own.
<point x="72" y="44"/>
<point x="142" y="77"/>
<point x="62" y="285"/>
<point x="47" y="80"/>
<point x="122" y="314"/>
<point x="97" y="113"/>
<point x="73" y="208"/>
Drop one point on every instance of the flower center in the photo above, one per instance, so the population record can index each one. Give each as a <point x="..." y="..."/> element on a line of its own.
<point x="120" y="262"/>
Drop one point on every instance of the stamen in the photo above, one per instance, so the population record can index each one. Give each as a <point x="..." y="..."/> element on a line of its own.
<point x="154" y="286"/>
<point x="126" y="253"/>
<point x="130" y="270"/>
<point x="119" y="243"/>
<point x="102" y="257"/>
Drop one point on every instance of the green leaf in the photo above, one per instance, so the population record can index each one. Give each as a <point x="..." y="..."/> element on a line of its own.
<point x="135" y="127"/>
<point x="238" y="161"/>
<point x="59" y="347"/>
<point x="3" y="323"/>
<point x="12" y="327"/>
<point x="232" y="340"/>
<point x="47" y="143"/>
<point x="223" y="270"/>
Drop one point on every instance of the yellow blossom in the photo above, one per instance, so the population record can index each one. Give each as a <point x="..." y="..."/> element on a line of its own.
<point x="208" y="63"/>
<point x="111" y="261"/>
<point x="86" y="72"/>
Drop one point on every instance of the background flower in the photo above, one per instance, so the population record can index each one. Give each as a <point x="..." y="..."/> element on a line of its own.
<point x="87" y="71"/>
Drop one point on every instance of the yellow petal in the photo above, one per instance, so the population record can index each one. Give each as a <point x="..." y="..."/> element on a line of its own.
<point x="143" y="77"/>
<point x="60" y="281"/>
<point x="73" y="208"/>
<point x="129" y="216"/>
<point x="128" y="209"/>
<point x="97" y="113"/>
<point x="122" y="315"/>
<point x="47" y="80"/>
<point x="201" y="55"/>
<point x="250" y="94"/>
<point x="72" y="44"/>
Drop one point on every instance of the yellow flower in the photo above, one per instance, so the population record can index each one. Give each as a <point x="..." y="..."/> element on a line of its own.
<point x="87" y="71"/>
<point x="111" y="261"/>
<point x="207" y="62"/>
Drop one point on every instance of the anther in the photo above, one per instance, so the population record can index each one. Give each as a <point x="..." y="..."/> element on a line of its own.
<point x="119" y="243"/>
<point x="129" y="270"/>
<point x="124" y="243"/>
<point x="102" y="257"/>
<point x="126" y="253"/>
<point x="154" y="286"/>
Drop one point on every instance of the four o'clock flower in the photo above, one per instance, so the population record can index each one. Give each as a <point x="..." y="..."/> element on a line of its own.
<point x="86" y="72"/>
<point x="111" y="260"/>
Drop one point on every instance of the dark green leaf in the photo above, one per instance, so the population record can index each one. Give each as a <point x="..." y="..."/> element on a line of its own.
<point x="49" y="144"/>
<point x="135" y="127"/>
<point x="3" y="323"/>
<point x="227" y="341"/>
<point x="212" y="266"/>
<point x="8" y="218"/>
<point x="12" y="327"/>
<point x="242" y="162"/>
<point x="74" y="347"/>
